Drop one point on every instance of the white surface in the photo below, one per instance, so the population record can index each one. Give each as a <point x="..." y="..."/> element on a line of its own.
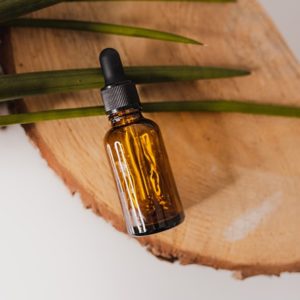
<point x="52" y="248"/>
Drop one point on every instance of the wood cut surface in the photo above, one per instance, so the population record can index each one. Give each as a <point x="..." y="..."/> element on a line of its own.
<point x="238" y="175"/>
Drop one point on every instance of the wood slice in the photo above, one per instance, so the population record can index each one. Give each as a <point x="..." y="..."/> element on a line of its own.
<point x="238" y="175"/>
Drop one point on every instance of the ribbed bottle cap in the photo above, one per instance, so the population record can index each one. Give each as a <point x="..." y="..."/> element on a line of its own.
<point x="118" y="93"/>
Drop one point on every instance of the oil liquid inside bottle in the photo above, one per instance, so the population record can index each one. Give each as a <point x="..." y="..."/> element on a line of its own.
<point x="146" y="186"/>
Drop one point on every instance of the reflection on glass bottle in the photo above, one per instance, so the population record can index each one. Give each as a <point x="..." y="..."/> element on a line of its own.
<point x="138" y="157"/>
<point x="142" y="172"/>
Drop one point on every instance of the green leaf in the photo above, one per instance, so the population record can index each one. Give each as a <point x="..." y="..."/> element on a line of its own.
<point x="225" y="106"/>
<point x="15" y="86"/>
<point x="102" y="28"/>
<point x="208" y="1"/>
<point x="11" y="9"/>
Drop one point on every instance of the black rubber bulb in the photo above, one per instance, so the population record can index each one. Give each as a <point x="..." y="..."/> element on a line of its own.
<point x="111" y="66"/>
<point x="119" y="93"/>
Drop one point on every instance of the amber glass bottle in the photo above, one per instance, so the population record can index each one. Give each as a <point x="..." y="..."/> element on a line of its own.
<point x="146" y="186"/>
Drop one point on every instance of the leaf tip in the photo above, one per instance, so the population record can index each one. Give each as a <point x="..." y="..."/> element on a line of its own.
<point x="194" y="42"/>
<point x="245" y="72"/>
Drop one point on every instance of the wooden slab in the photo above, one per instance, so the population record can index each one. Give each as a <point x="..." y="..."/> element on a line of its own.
<point x="238" y="175"/>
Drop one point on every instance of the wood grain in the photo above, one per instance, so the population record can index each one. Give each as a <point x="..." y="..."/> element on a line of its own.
<point x="238" y="175"/>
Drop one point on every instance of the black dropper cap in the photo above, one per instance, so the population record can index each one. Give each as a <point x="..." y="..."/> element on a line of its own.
<point x="118" y="93"/>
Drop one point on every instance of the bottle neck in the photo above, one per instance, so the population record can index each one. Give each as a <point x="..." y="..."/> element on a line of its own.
<point x="125" y="117"/>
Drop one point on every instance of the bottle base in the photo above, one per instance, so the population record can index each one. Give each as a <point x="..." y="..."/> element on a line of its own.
<point x="159" y="227"/>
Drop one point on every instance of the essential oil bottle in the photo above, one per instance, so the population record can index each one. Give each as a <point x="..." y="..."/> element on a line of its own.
<point x="135" y="148"/>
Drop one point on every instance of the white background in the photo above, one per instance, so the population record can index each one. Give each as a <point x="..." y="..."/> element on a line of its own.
<point x="52" y="248"/>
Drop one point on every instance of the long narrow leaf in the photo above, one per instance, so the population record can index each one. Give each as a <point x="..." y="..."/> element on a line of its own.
<point x="19" y="85"/>
<point x="227" y="106"/>
<point x="102" y="28"/>
<point x="208" y="1"/>
<point x="11" y="9"/>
